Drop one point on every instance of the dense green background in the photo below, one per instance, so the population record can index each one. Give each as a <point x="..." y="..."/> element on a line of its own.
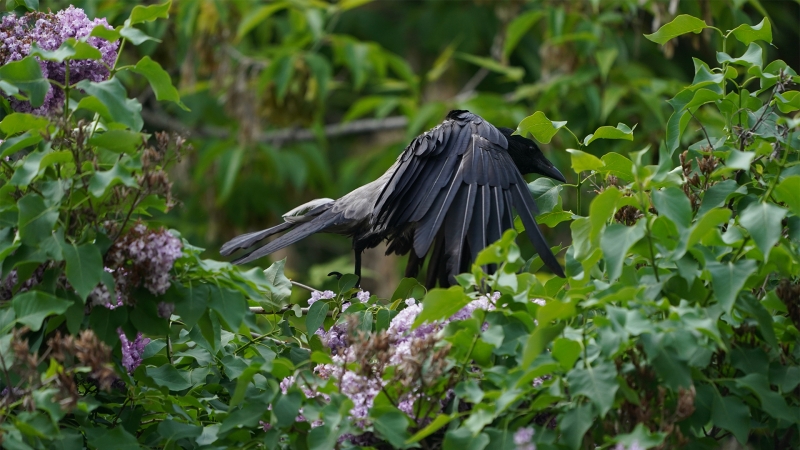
<point x="252" y="71"/>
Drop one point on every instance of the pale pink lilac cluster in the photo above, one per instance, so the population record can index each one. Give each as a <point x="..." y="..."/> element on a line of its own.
<point x="523" y="437"/>
<point x="144" y="256"/>
<point x="363" y="296"/>
<point x="317" y="296"/>
<point x="362" y="390"/>
<point x="48" y="31"/>
<point x="132" y="351"/>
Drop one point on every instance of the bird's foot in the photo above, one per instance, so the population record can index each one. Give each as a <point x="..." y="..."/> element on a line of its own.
<point x="338" y="275"/>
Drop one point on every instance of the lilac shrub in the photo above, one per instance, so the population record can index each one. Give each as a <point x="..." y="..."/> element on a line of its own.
<point x="403" y="350"/>
<point x="48" y="31"/>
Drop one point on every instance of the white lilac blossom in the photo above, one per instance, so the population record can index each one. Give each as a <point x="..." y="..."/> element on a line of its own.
<point x="132" y="351"/>
<point x="410" y="302"/>
<point x="317" y="295"/>
<point x="522" y="438"/>
<point x="634" y="446"/>
<point x="363" y="296"/>
<point x="48" y="31"/>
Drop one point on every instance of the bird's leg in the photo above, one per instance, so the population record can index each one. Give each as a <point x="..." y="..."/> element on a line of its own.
<point x="358" y="265"/>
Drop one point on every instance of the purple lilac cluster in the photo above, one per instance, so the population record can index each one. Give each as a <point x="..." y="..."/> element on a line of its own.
<point x="317" y="296"/>
<point x="362" y="390"/>
<point x="146" y="257"/>
<point x="523" y="437"/>
<point x="132" y="351"/>
<point x="48" y="31"/>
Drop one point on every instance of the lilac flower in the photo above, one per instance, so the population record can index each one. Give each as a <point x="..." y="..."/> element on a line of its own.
<point x="363" y="296"/>
<point x="266" y="426"/>
<point x="634" y="446"/>
<point x="345" y="306"/>
<point x="165" y="309"/>
<point x="410" y="302"/>
<point x="522" y="439"/>
<point x="335" y="338"/>
<point x="144" y="256"/>
<point x="317" y="295"/>
<point x="539" y="301"/>
<point x="48" y="31"/>
<point x="132" y="351"/>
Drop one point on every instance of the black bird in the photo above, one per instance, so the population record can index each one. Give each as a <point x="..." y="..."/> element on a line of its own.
<point x="455" y="184"/>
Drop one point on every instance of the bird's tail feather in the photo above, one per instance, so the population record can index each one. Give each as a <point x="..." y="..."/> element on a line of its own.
<point x="250" y="239"/>
<point x="299" y="232"/>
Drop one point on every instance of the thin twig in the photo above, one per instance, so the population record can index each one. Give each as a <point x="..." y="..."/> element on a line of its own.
<point x="301" y="285"/>
<point x="702" y="128"/>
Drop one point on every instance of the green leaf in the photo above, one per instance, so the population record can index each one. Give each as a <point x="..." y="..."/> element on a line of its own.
<point x="538" y="340"/>
<point x="101" y="181"/>
<point x="731" y="414"/>
<point x="752" y="57"/>
<point x="141" y="14"/>
<point x="172" y="430"/>
<point x="615" y="243"/>
<point x="788" y="101"/>
<point x="159" y="80"/>
<point x="169" y="377"/>
<point x="673" y="203"/>
<point x="707" y="223"/>
<point x="70" y="49"/>
<point x="18" y="122"/>
<point x="617" y="165"/>
<point x="191" y="302"/>
<point x="15" y="144"/>
<point x="84" y="267"/>
<point x="602" y="209"/>
<point x="26" y="75"/>
<point x="32" y="307"/>
<point x="118" y="141"/>
<point x="763" y="222"/>
<point x="255" y="18"/>
<point x="513" y="73"/>
<point x="574" y="424"/>
<point x="621" y="131"/>
<point x="729" y="278"/>
<point x="540" y="127"/>
<point x="517" y="29"/>
<point x="436" y="424"/>
<point x="582" y="161"/>
<point x="36" y="220"/>
<point x="640" y="437"/>
<point x="281" y="286"/>
<point x="746" y="33"/>
<point x="135" y="36"/>
<point x="390" y="423"/>
<point x="682" y="24"/>
<point x="605" y="59"/>
<point x="287" y="407"/>
<point x="441" y="304"/>
<point x="599" y="384"/>
<point x="566" y="352"/>
<point x="116" y="438"/>
<point x="113" y="96"/>
<point x="552" y="219"/>
<point x="316" y="315"/>
<point x="102" y="32"/>
<point x="786" y="192"/>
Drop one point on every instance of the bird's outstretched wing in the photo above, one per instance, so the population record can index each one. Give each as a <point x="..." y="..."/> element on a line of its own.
<point x="457" y="182"/>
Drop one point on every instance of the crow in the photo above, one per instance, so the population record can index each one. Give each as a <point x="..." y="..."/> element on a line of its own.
<point x="453" y="186"/>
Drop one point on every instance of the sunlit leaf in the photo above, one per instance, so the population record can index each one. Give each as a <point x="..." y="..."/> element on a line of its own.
<point x="680" y="25"/>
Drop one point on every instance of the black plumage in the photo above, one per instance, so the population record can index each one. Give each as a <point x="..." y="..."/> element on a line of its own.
<point x="452" y="188"/>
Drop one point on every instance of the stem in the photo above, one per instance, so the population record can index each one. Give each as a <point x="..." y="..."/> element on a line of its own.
<point x="650" y="244"/>
<point x="119" y="53"/>
<point x="578" y="187"/>
<point x="66" y="89"/>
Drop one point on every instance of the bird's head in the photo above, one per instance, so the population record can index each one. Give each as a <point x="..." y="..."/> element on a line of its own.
<point x="528" y="157"/>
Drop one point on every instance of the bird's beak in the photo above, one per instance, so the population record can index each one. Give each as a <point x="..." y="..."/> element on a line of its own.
<point x="549" y="170"/>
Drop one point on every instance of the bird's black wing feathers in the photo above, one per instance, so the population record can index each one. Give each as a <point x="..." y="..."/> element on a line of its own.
<point x="454" y="189"/>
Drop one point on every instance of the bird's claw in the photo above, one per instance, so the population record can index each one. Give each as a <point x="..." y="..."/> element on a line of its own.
<point x="336" y="274"/>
